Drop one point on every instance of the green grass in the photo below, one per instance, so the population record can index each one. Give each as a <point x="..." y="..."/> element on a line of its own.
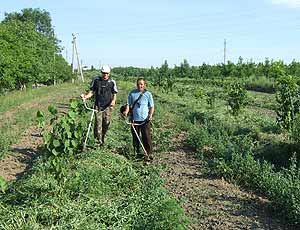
<point x="18" y="109"/>
<point x="16" y="98"/>
<point x="109" y="189"/>
<point x="100" y="189"/>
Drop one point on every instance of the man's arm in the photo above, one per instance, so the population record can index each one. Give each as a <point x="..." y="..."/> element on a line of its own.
<point x="87" y="96"/>
<point x="129" y="101"/>
<point x="113" y="102"/>
<point x="151" y="107"/>
<point x="126" y="110"/>
<point x="151" y="111"/>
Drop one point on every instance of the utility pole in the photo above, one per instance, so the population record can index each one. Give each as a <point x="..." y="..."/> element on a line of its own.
<point x="67" y="55"/>
<point x="79" y="69"/>
<point x="73" y="53"/>
<point x="54" y="80"/>
<point x="224" y="51"/>
<point x="54" y="53"/>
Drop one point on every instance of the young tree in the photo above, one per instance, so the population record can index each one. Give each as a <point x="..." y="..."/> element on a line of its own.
<point x="185" y="70"/>
<point x="287" y="97"/>
<point x="237" y="97"/>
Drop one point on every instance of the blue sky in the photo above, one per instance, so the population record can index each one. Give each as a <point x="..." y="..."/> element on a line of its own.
<point x="145" y="33"/>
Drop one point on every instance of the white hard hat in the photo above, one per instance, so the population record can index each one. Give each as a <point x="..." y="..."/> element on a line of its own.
<point x="105" y="69"/>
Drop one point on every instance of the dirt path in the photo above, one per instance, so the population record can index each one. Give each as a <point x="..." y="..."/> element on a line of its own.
<point x="212" y="203"/>
<point x="23" y="153"/>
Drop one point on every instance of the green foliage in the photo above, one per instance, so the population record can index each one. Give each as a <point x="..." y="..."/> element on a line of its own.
<point x="68" y="131"/>
<point x="282" y="188"/>
<point x="39" y="18"/>
<point x="259" y="84"/>
<point x="295" y="132"/>
<point x="199" y="94"/>
<point x="288" y="101"/>
<point x="3" y="184"/>
<point x="29" y="51"/>
<point x="40" y="117"/>
<point x="110" y="190"/>
<point x="163" y="77"/>
<point x="181" y="91"/>
<point x="255" y="76"/>
<point x="237" y="98"/>
<point x="277" y="69"/>
<point x="184" y="69"/>
<point x="230" y="154"/>
<point x="211" y="98"/>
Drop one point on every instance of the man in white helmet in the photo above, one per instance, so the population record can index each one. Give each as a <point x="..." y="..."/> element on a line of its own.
<point x="105" y="91"/>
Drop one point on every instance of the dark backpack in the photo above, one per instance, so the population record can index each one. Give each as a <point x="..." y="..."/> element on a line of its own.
<point x="103" y="92"/>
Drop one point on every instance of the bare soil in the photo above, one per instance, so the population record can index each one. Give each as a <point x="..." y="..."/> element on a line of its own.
<point x="22" y="154"/>
<point x="212" y="203"/>
<point x="20" y="159"/>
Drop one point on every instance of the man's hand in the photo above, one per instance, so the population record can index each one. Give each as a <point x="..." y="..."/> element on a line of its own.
<point x="112" y="104"/>
<point x="87" y="96"/>
<point x="150" y="117"/>
<point x="83" y="97"/>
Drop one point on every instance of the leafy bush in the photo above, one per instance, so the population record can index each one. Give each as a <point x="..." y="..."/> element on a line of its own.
<point x="287" y="97"/>
<point x="68" y="131"/>
<point x="237" y="98"/>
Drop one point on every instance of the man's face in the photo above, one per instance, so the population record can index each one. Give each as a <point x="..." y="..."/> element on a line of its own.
<point x="140" y="85"/>
<point x="105" y="76"/>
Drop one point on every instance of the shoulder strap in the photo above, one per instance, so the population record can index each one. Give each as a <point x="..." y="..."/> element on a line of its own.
<point x="134" y="103"/>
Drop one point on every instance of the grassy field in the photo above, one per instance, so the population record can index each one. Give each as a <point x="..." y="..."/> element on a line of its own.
<point x="100" y="189"/>
<point x="109" y="189"/>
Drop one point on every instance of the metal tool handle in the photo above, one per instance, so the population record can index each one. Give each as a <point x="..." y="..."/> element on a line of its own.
<point x="85" y="105"/>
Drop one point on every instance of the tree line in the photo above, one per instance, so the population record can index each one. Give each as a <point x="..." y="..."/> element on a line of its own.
<point x="264" y="73"/>
<point x="29" y="51"/>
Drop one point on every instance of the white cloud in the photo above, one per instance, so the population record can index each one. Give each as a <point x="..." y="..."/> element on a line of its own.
<point x="288" y="3"/>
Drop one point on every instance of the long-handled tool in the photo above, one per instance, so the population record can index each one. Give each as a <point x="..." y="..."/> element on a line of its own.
<point x="90" y="123"/>
<point x="132" y="124"/>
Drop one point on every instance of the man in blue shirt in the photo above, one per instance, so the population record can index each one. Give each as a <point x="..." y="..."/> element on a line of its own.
<point x="142" y="105"/>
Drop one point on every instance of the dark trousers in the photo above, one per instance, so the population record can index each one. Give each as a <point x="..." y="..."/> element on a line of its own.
<point x="102" y="121"/>
<point x="144" y="131"/>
